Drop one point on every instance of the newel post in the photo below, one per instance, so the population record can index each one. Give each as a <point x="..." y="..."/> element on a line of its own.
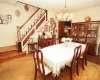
<point x="19" y="39"/>
<point x="18" y="33"/>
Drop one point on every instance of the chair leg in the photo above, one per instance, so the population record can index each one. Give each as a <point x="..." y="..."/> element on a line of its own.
<point x="70" y="73"/>
<point x="83" y="64"/>
<point x="57" y="78"/>
<point x="77" y="68"/>
<point x="85" y="61"/>
<point x="44" y="77"/>
<point x="35" y="74"/>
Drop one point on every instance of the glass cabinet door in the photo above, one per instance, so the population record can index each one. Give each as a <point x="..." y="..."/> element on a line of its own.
<point x="92" y="26"/>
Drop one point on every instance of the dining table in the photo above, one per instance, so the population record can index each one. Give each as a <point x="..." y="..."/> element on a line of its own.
<point x="56" y="57"/>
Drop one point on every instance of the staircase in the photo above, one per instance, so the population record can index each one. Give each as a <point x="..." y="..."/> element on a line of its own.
<point x="30" y="27"/>
<point x="27" y="29"/>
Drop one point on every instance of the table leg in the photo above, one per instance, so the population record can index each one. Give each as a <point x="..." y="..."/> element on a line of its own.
<point x="57" y="78"/>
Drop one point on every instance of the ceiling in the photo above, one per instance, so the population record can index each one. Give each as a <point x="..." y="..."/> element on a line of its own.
<point x="58" y="5"/>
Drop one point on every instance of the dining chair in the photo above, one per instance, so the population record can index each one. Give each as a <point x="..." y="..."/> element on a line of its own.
<point x="82" y="56"/>
<point x="98" y="51"/>
<point x="42" y="43"/>
<point x="50" y="42"/>
<point x="74" y="62"/>
<point x="56" y="41"/>
<point x="78" y="55"/>
<point x="39" y="65"/>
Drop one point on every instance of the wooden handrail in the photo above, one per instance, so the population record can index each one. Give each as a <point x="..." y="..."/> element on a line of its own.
<point x="26" y="39"/>
<point x="26" y="4"/>
<point x="29" y="18"/>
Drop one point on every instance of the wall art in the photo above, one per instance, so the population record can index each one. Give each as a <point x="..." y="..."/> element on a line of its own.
<point x="26" y="7"/>
<point x="5" y="18"/>
<point x="4" y="22"/>
<point x="17" y="13"/>
<point x="0" y="21"/>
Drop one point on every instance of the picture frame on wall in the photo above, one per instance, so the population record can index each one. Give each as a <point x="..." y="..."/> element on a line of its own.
<point x="4" y="17"/>
<point x="9" y="17"/>
<point x="45" y="27"/>
<point x="17" y="13"/>
<point x="4" y="22"/>
<point x="0" y="21"/>
<point x="26" y="7"/>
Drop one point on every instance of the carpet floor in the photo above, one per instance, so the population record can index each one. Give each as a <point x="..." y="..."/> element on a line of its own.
<point x="23" y="69"/>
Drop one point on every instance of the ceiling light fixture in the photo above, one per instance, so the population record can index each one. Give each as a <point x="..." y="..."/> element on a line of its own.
<point x="64" y="16"/>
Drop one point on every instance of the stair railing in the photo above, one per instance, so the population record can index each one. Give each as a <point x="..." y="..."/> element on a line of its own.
<point x="29" y="24"/>
<point x="34" y="29"/>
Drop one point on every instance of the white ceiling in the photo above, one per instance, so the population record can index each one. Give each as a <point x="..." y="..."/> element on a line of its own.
<point x="58" y="5"/>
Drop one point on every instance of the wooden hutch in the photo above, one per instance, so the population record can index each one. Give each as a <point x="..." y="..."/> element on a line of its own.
<point x="83" y="32"/>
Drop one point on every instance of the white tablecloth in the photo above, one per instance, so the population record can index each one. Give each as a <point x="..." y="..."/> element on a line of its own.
<point x="57" y="56"/>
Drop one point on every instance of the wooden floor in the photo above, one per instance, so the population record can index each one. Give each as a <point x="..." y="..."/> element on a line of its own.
<point x="94" y="59"/>
<point x="23" y="69"/>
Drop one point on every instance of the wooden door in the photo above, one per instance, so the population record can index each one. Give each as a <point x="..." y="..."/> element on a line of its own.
<point x="60" y="29"/>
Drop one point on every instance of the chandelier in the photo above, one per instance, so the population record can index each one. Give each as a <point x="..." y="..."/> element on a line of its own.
<point x="64" y="16"/>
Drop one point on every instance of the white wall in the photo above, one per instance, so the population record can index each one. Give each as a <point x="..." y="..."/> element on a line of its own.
<point x="94" y="13"/>
<point x="8" y="32"/>
<point x="51" y="15"/>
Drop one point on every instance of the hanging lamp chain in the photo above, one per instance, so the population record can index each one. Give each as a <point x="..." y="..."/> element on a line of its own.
<point x="65" y="3"/>
<point x="65" y="10"/>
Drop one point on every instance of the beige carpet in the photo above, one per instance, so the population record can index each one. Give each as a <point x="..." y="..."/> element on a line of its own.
<point x="23" y="69"/>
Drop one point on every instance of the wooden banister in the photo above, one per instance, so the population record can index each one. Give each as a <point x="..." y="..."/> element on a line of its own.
<point x="26" y="39"/>
<point x="29" y="18"/>
<point x="26" y="4"/>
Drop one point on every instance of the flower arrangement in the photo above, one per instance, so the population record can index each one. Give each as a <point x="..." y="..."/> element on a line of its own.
<point x="66" y="39"/>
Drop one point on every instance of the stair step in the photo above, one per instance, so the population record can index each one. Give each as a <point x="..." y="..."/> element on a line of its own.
<point x="6" y="56"/>
<point x="8" y="48"/>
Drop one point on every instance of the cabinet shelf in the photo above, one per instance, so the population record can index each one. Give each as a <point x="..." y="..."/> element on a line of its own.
<point x="83" y="32"/>
<point x="82" y="37"/>
<point x="91" y="37"/>
<point x="92" y="30"/>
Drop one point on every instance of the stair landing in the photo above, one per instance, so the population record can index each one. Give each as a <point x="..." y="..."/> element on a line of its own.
<point x="6" y="56"/>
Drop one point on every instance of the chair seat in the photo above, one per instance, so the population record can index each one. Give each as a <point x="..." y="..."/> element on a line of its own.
<point x="47" y="70"/>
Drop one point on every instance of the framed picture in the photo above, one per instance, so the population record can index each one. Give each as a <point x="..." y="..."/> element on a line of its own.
<point x="26" y="7"/>
<point x="52" y="21"/>
<point x="17" y="13"/>
<point x="9" y="17"/>
<point x="0" y="21"/>
<point x="45" y="27"/>
<point x="5" y="22"/>
<point x="4" y="17"/>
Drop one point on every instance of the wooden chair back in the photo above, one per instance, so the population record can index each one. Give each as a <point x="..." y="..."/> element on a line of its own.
<point x="79" y="51"/>
<point x="75" y="55"/>
<point x="42" y="43"/>
<point x="56" y="41"/>
<point x="50" y="42"/>
<point x="38" y="60"/>
<point x="86" y="50"/>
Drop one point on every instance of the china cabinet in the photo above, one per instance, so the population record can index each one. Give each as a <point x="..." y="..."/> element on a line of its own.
<point x="84" y="32"/>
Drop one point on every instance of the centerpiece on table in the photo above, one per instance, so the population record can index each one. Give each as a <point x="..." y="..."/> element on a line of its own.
<point x="66" y="39"/>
